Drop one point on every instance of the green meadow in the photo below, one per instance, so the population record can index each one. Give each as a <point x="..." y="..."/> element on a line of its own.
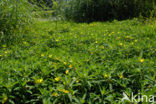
<point x="79" y="63"/>
<point x="77" y="51"/>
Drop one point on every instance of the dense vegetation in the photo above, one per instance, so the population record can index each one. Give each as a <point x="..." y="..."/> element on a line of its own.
<point x="79" y="63"/>
<point x="14" y="16"/>
<point x="46" y="61"/>
<point x="101" y="10"/>
<point x="42" y="3"/>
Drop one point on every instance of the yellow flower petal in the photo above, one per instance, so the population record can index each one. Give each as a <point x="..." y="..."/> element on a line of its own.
<point x="142" y="60"/>
<point x="4" y="46"/>
<point x="55" y="94"/>
<point x="25" y="42"/>
<point x="64" y="63"/>
<point x="121" y="76"/>
<point x="42" y="55"/>
<point x="50" y="56"/>
<point x="57" y="79"/>
<point x="120" y="44"/>
<point x="5" y="98"/>
<point x="39" y="81"/>
<point x="70" y="66"/>
<point x="67" y="71"/>
<point x="65" y="91"/>
<point x="105" y="76"/>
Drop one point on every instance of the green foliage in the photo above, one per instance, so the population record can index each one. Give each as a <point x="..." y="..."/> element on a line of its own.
<point x="14" y="16"/>
<point x="44" y="4"/>
<point x="79" y="63"/>
<point x="101" y="10"/>
<point x="65" y="62"/>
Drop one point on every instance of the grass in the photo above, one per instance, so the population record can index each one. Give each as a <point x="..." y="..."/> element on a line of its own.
<point x="79" y="63"/>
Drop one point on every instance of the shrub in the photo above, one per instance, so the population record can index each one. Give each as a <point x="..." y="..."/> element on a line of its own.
<point x="101" y="10"/>
<point x="14" y="16"/>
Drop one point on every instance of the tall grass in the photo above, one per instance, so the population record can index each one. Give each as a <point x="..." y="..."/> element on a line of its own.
<point x="100" y="10"/>
<point x="14" y="16"/>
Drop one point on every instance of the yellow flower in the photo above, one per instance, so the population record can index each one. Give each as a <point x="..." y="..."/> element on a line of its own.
<point x="55" y="94"/>
<point x="25" y="42"/>
<point x="42" y="55"/>
<point x="120" y="44"/>
<point x="57" y="79"/>
<point x="121" y="76"/>
<point x="70" y="66"/>
<point x="39" y="81"/>
<point x="141" y="60"/>
<point x="105" y="76"/>
<point x="67" y="71"/>
<point x="77" y="81"/>
<point x="50" y="56"/>
<point x="96" y="42"/>
<point x="5" y="98"/>
<point x="112" y="32"/>
<point x="5" y="52"/>
<point x="0" y="55"/>
<point x="4" y="46"/>
<point x="57" y="40"/>
<point x="64" y="83"/>
<point x="136" y="41"/>
<point x="65" y="91"/>
<point x="64" y="63"/>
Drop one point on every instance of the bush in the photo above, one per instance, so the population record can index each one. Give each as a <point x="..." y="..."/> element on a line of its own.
<point x="14" y="16"/>
<point x="101" y="10"/>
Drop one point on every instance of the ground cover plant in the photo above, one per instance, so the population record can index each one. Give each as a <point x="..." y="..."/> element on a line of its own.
<point x="46" y="60"/>
<point x="79" y="63"/>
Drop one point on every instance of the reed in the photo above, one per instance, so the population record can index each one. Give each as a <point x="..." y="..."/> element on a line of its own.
<point x="14" y="16"/>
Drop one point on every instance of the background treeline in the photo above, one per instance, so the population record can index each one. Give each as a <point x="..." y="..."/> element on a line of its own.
<point x="101" y="10"/>
<point x="42" y="3"/>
